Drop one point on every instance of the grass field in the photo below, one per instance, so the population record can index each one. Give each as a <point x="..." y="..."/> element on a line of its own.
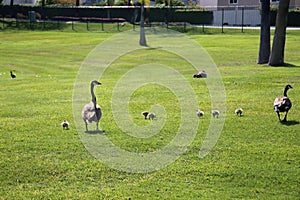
<point x="256" y="157"/>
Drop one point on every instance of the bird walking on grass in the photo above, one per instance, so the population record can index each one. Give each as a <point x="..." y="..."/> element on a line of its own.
<point x="150" y="115"/>
<point x="65" y="124"/>
<point x="200" y="113"/>
<point x="92" y="112"/>
<point x="215" y="113"/>
<point x="239" y="111"/>
<point x="12" y="75"/>
<point x="201" y="74"/>
<point x="283" y="104"/>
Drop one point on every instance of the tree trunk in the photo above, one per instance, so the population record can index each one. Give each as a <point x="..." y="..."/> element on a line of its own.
<point x="264" y="47"/>
<point x="11" y="2"/>
<point x="277" y="54"/>
<point x="142" y="27"/>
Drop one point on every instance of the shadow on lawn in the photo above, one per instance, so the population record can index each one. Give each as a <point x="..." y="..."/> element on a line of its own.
<point x="288" y="65"/>
<point x="95" y="132"/>
<point x="290" y="123"/>
<point x="285" y="65"/>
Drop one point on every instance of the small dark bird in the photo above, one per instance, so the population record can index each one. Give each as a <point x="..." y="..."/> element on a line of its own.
<point x="200" y="113"/>
<point x="201" y="74"/>
<point x="65" y="124"/>
<point x="239" y="111"/>
<point x="215" y="113"/>
<point x="283" y="104"/>
<point x="145" y="114"/>
<point x="150" y="115"/>
<point x="12" y="75"/>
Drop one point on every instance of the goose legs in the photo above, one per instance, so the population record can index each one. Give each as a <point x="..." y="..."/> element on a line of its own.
<point x="86" y="126"/>
<point x="278" y="114"/>
<point x="285" y="117"/>
<point x="97" y="126"/>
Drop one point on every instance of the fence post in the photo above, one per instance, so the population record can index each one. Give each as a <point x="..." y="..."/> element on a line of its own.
<point x="243" y="20"/>
<point x="43" y="18"/>
<point x="72" y="24"/>
<point x="167" y="15"/>
<point x="222" y="20"/>
<point x="58" y="24"/>
<point x="184" y="23"/>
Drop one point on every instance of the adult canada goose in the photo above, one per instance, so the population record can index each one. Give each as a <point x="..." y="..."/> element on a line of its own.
<point x="92" y="112"/>
<point x="12" y="75"/>
<point x="283" y="104"/>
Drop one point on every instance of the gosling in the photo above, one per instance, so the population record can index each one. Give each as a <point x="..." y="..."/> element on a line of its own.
<point x="215" y="113"/>
<point x="65" y="124"/>
<point x="150" y="115"/>
<point x="239" y="111"/>
<point x="200" y="113"/>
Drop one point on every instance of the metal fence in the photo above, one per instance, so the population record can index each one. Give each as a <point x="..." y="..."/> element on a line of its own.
<point x="220" y="16"/>
<point x="237" y="17"/>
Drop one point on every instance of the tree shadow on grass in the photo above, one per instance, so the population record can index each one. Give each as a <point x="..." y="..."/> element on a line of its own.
<point x="95" y="132"/>
<point x="290" y="123"/>
<point x="288" y="65"/>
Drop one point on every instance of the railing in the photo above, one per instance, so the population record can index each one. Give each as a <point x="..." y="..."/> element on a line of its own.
<point x="233" y="16"/>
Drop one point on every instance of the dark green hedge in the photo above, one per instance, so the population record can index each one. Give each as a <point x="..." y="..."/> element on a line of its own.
<point x="293" y="18"/>
<point x="130" y="14"/>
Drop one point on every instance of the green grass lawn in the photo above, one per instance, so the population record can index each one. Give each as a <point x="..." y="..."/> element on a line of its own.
<point x="256" y="157"/>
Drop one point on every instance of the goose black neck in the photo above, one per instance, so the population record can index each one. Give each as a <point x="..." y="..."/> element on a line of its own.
<point x="93" y="94"/>
<point x="285" y="91"/>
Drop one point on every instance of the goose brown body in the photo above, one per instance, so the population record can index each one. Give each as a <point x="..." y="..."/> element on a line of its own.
<point x="283" y="104"/>
<point x="91" y="112"/>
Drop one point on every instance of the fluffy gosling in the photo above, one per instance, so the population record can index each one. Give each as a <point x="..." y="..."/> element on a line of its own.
<point x="215" y="113"/>
<point x="201" y="74"/>
<point x="149" y="115"/>
<point x="239" y="111"/>
<point x="65" y="124"/>
<point x="200" y="113"/>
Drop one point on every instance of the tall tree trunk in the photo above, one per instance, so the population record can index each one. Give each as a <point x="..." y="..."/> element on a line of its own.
<point x="142" y="27"/>
<point x="11" y="2"/>
<point x="264" y="47"/>
<point x="277" y="54"/>
<point x="77" y="2"/>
